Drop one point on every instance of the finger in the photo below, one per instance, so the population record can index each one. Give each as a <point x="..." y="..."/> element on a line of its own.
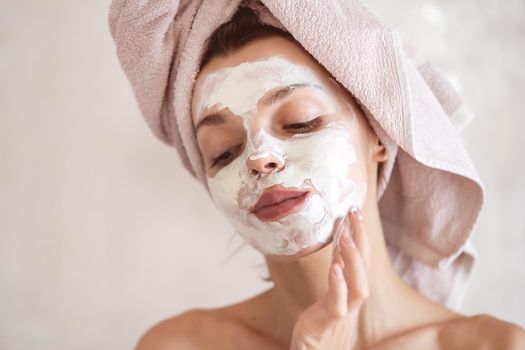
<point x="359" y="235"/>
<point x="354" y="272"/>
<point x="337" y="231"/>
<point x="337" y="258"/>
<point x="337" y="297"/>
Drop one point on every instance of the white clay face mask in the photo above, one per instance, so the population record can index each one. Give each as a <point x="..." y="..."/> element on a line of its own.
<point x="318" y="162"/>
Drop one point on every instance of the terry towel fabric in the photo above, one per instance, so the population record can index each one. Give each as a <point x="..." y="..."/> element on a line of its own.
<point x="430" y="194"/>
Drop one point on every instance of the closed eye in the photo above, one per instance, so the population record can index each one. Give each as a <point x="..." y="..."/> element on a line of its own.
<point x="225" y="157"/>
<point x="304" y="127"/>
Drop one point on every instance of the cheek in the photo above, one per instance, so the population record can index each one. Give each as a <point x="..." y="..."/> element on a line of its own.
<point x="226" y="186"/>
<point x="327" y="153"/>
<point x="330" y="161"/>
<point x="358" y="170"/>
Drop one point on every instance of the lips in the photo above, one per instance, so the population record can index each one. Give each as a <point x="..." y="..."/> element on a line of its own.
<point x="277" y="202"/>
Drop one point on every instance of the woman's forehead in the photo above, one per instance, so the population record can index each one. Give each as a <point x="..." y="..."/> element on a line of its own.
<point x="243" y="87"/>
<point x="243" y="77"/>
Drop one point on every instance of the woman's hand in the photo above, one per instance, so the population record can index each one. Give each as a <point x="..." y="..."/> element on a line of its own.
<point x="330" y="321"/>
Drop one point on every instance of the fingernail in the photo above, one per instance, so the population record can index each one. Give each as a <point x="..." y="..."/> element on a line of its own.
<point x="358" y="214"/>
<point x="337" y="271"/>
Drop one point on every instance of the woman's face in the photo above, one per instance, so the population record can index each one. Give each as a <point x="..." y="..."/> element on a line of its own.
<point x="284" y="146"/>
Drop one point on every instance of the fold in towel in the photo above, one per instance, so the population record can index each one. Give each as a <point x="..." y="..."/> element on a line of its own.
<point x="430" y="194"/>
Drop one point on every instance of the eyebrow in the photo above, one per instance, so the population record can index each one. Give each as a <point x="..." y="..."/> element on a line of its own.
<point x="280" y="94"/>
<point x="273" y="97"/>
<point x="211" y="120"/>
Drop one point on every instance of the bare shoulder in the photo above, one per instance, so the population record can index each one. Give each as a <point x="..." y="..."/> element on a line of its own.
<point x="180" y="332"/>
<point x="216" y="329"/>
<point x="481" y="332"/>
<point x="229" y="327"/>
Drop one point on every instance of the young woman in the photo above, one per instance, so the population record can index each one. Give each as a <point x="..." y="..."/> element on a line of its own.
<point x="292" y="160"/>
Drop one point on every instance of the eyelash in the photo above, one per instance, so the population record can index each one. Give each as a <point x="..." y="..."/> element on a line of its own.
<point x="224" y="156"/>
<point x="305" y="127"/>
<point x="299" y="128"/>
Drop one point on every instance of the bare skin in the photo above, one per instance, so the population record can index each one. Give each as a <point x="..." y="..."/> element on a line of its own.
<point x="309" y="307"/>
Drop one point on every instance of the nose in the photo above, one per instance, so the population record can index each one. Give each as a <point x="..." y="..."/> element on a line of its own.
<point x="261" y="166"/>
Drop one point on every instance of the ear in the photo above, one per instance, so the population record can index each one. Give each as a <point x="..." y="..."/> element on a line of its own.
<point x="380" y="153"/>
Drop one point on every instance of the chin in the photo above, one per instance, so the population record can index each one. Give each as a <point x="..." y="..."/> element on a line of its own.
<point x="300" y="254"/>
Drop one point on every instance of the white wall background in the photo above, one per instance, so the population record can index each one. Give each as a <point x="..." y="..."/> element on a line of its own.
<point x="102" y="232"/>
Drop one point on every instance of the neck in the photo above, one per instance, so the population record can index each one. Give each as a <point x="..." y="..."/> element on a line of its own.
<point x="391" y="307"/>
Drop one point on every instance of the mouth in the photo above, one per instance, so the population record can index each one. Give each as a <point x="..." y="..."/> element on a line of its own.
<point x="277" y="202"/>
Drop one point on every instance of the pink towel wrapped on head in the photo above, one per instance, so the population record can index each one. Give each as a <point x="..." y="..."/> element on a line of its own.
<point x="429" y="194"/>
